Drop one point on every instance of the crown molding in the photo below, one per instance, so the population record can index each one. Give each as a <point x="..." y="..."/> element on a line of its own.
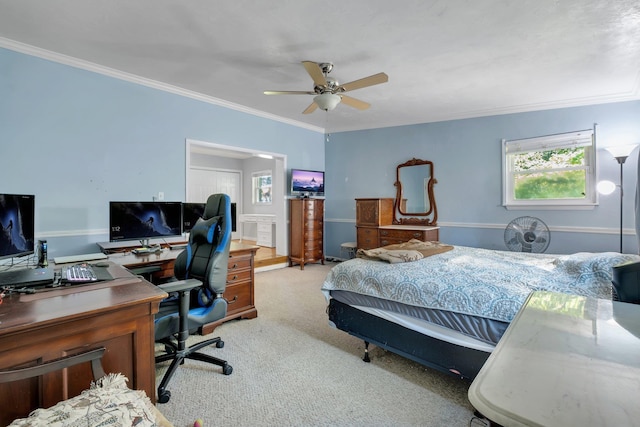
<point x="132" y="78"/>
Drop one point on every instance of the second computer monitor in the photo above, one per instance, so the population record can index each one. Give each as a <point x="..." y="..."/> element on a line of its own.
<point x="192" y="211"/>
<point x="144" y="220"/>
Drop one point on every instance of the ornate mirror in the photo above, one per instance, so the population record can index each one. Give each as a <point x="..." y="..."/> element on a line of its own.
<point x="415" y="202"/>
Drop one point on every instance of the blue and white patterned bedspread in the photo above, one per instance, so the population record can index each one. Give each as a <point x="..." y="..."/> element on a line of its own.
<point x="481" y="282"/>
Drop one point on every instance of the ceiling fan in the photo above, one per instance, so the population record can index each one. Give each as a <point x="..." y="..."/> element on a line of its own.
<point x="329" y="92"/>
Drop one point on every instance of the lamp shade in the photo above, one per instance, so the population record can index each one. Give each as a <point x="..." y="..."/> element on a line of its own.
<point x="605" y="187"/>
<point x="327" y="101"/>
<point x="621" y="150"/>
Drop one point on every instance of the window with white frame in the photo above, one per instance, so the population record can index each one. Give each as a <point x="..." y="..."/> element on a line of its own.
<point x="261" y="183"/>
<point x="554" y="171"/>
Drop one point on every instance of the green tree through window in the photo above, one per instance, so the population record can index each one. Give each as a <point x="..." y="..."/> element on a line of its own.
<point x="550" y="170"/>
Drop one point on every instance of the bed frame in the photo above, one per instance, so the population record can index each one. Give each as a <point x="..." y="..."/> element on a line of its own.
<point x="450" y="358"/>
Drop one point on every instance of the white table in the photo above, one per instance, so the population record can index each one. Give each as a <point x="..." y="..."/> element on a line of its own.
<point x="264" y="226"/>
<point x="565" y="360"/>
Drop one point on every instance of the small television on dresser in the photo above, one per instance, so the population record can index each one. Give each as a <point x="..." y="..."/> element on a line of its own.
<point x="307" y="182"/>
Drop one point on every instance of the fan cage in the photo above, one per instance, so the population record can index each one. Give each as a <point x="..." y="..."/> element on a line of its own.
<point x="527" y="234"/>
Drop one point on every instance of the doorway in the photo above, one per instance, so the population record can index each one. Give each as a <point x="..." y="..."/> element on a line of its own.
<point x="222" y="168"/>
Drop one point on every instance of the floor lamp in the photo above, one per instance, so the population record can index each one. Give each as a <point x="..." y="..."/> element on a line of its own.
<point x="620" y="153"/>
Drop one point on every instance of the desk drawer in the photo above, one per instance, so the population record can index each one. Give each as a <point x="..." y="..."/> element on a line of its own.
<point x="239" y="297"/>
<point x="367" y="238"/>
<point x="264" y="227"/>
<point x="393" y="236"/>
<point x="264" y="239"/>
<point x="238" y="276"/>
<point x="238" y="263"/>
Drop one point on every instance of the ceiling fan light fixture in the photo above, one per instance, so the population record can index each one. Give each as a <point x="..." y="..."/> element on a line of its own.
<point x="327" y="101"/>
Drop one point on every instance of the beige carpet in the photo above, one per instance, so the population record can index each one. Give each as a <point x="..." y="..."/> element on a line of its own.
<point x="290" y="368"/>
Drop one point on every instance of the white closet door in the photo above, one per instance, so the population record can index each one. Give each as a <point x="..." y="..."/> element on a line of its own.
<point x="204" y="182"/>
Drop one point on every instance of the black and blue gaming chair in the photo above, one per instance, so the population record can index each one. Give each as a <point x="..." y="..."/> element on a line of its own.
<point x="201" y="267"/>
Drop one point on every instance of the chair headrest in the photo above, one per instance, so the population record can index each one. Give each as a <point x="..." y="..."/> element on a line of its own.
<point x="215" y="206"/>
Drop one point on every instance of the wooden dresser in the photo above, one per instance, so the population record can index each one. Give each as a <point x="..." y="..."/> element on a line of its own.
<point x="306" y="231"/>
<point x="375" y="228"/>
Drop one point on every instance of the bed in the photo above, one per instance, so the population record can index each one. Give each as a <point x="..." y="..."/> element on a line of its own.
<point x="448" y="310"/>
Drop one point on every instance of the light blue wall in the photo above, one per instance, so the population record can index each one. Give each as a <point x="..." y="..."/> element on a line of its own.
<point x="77" y="139"/>
<point x="467" y="165"/>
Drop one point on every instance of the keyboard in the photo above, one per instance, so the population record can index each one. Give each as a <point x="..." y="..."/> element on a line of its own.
<point x="79" y="273"/>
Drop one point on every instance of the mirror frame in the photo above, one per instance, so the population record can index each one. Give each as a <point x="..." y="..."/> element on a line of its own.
<point x="402" y="217"/>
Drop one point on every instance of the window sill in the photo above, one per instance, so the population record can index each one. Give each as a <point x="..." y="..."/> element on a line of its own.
<point x="547" y="207"/>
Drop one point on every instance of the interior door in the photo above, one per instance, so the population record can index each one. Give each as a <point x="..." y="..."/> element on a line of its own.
<point x="203" y="182"/>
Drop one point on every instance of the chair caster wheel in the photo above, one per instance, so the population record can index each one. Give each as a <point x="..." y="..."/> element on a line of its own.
<point x="220" y="344"/>
<point x="164" y="396"/>
<point x="227" y="369"/>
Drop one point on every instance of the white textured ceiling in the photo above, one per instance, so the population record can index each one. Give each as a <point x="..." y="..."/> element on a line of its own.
<point x="445" y="59"/>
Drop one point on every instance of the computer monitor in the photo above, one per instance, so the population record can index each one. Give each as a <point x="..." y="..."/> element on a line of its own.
<point x="17" y="225"/>
<point x="192" y="211"/>
<point x="144" y="220"/>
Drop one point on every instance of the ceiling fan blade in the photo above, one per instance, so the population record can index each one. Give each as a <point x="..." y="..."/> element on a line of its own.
<point x="376" y="79"/>
<point x="355" y="103"/>
<point x="311" y="108"/>
<point x="315" y="72"/>
<point x="288" y="92"/>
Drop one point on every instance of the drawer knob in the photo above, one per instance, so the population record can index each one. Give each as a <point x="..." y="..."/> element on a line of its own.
<point x="235" y="298"/>
<point x="234" y="266"/>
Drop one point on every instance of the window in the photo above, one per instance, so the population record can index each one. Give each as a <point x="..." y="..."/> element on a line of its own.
<point x="555" y="171"/>
<point x="261" y="182"/>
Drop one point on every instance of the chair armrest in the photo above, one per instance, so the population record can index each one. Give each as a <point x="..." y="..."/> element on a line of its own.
<point x="180" y="285"/>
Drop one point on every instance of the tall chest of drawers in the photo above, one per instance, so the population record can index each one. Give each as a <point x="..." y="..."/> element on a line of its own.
<point x="306" y="232"/>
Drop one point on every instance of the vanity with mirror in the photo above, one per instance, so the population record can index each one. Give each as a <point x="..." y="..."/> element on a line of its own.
<point x="411" y="215"/>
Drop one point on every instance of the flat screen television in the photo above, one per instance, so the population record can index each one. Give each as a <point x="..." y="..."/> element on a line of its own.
<point x="144" y="220"/>
<point x="17" y="225"/>
<point x="307" y="182"/>
<point x="192" y="211"/>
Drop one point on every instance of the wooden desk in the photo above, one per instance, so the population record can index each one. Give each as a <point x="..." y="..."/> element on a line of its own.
<point x="240" y="277"/>
<point x="117" y="315"/>
<point x="565" y="360"/>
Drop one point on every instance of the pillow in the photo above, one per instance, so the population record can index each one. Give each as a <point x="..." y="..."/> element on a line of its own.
<point x="206" y="230"/>
<point x="392" y="256"/>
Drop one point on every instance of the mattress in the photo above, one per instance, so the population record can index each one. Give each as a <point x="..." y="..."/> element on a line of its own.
<point x="430" y="321"/>
<point x="467" y="294"/>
